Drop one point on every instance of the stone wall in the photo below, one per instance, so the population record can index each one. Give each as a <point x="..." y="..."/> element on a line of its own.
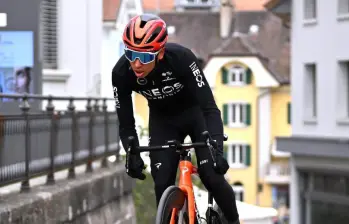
<point x="103" y="196"/>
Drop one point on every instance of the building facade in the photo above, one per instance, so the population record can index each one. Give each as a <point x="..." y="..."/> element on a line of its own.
<point x="320" y="109"/>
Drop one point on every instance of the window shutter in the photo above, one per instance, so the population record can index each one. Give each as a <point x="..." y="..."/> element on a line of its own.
<point x="248" y="77"/>
<point x="225" y="114"/>
<point x="289" y="113"/>
<point x="224" y="75"/>
<point x="247" y="155"/>
<point x="248" y="114"/>
<point x="225" y="151"/>
<point x="48" y="33"/>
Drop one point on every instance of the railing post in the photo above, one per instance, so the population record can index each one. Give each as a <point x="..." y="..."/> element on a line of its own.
<point x="90" y="136"/>
<point x="53" y="141"/>
<point x="106" y="133"/>
<point x="25" y="107"/>
<point x="74" y="136"/>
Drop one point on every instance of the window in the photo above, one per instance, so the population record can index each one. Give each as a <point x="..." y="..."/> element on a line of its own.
<point x="343" y="7"/>
<point x="236" y="75"/>
<point x="323" y="213"/>
<point x="309" y="9"/>
<point x="324" y="197"/>
<point x="237" y="114"/>
<point x="288" y="113"/>
<point x="310" y="91"/>
<point x="238" y="155"/>
<point x="239" y="191"/>
<point x="48" y="33"/>
<point x="343" y="90"/>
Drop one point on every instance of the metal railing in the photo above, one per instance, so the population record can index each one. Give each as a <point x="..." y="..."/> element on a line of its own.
<point x="35" y="143"/>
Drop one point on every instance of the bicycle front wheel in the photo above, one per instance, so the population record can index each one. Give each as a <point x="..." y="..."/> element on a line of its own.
<point x="172" y="198"/>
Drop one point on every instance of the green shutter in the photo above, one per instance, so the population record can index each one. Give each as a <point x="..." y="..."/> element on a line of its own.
<point x="248" y="155"/>
<point x="225" y="114"/>
<point x="224" y="75"/>
<point x="248" y="114"/>
<point x="225" y="151"/>
<point x="289" y="113"/>
<point x="248" y="76"/>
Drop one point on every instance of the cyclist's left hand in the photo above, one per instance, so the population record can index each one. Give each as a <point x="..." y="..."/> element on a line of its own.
<point x="222" y="165"/>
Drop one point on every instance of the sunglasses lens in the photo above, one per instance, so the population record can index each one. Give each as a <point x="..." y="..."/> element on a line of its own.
<point x="144" y="57"/>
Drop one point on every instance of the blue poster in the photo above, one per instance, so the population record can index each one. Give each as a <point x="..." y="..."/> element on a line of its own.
<point x="16" y="62"/>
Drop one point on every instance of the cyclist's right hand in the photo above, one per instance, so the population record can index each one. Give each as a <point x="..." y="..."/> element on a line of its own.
<point x="136" y="166"/>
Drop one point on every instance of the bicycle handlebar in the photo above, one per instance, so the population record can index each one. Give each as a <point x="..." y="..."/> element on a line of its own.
<point x="209" y="142"/>
<point x="183" y="146"/>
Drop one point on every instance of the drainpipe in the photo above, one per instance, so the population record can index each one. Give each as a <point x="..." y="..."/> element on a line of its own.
<point x="260" y="95"/>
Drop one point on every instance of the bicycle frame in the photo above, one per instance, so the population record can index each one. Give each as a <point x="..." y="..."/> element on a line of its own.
<point x="186" y="169"/>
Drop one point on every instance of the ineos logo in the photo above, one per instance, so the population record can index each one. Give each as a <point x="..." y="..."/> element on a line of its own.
<point x="160" y="93"/>
<point x="196" y="72"/>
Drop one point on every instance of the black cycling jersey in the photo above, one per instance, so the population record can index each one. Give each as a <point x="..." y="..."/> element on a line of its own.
<point x="176" y="84"/>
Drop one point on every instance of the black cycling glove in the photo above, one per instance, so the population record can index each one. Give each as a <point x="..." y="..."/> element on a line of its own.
<point x="135" y="162"/>
<point x="222" y="165"/>
<point x="136" y="167"/>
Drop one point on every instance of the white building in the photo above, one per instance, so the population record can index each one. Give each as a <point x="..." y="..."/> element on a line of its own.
<point x="116" y="14"/>
<point x="320" y="109"/>
<point x="71" y="37"/>
<point x="81" y="42"/>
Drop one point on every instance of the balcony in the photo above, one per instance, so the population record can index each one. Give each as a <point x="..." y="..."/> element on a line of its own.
<point x="188" y="4"/>
<point x="277" y="173"/>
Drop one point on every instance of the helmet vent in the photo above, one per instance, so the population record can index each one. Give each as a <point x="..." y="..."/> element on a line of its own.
<point x="154" y="35"/>
<point x="162" y="38"/>
<point x="143" y="23"/>
<point x="128" y="33"/>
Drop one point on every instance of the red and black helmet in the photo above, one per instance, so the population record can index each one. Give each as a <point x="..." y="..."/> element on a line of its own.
<point x="145" y="32"/>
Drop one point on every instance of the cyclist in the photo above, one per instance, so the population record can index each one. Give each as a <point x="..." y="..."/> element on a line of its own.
<point x="180" y="103"/>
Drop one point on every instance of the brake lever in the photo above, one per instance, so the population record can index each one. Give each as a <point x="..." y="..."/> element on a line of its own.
<point x="210" y="142"/>
<point x="128" y="151"/>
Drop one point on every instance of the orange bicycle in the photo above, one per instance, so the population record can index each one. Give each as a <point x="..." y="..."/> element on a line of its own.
<point x="177" y="204"/>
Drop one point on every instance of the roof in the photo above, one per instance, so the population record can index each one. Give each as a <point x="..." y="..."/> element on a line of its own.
<point x="157" y="5"/>
<point x="110" y="9"/>
<point x="271" y="45"/>
<point x="169" y="5"/>
<point x="249" y="5"/>
<point x="269" y="4"/>
<point x="206" y="38"/>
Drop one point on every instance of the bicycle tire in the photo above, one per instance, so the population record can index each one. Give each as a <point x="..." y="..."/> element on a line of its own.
<point x="173" y="197"/>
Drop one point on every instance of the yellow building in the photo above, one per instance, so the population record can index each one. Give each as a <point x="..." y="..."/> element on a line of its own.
<point x="255" y="109"/>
